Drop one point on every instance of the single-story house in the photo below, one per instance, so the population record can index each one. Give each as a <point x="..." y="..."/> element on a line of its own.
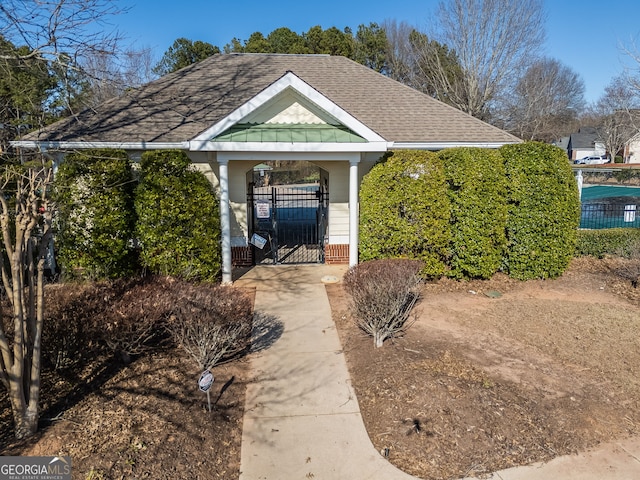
<point x="585" y="143"/>
<point x="232" y="112"/>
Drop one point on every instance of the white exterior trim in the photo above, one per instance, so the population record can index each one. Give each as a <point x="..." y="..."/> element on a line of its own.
<point x="197" y="145"/>
<point x="289" y="80"/>
<point x="114" y="145"/>
<point x="225" y="221"/>
<point x="353" y="212"/>
<point x="443" y="145"/>
<point x="308" y="156"/>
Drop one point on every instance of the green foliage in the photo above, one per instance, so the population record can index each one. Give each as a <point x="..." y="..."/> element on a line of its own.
<point x="25" y="86"/>
<point x="284" y="39"/>
<point x="404" y="210"/>
<point x="477" y="193"/>
<point x="623" y="242"/>
<point x="369" y="46"/>
<point x="624" y="175"/>
<point x="544" y="210"/>
<point x="94" y="192"/>
<point x="178" y="218"/>
<point x="256" y="44"/>
<point x="330" y="41"/>
<point x="183" y="53"/>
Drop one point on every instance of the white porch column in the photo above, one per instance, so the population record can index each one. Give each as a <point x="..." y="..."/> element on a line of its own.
<point x="353" y="212"/>
<point x="225" y="220"/>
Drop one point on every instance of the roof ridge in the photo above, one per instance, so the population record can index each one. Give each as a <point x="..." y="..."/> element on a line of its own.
<point x="279" y="54"/>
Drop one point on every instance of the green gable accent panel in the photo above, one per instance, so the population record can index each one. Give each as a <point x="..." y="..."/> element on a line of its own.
<point x="288" y="133"/>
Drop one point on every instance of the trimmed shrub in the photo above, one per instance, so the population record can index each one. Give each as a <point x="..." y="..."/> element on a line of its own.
<point x="624" y="175"/>
<point x="94" y="194"/>
<point x="178" y="218"/>
<point x="383" y="293"/>
<point x="544" y="210"/>
<point x="211" y="324"/>
<point x="622" y="242"/>
<point x="404" y="211"/>
<point x="477" y="194"/>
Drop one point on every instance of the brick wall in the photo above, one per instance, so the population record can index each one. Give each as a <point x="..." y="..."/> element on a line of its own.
<point x="336" y="254"/>
<point x="333" y="255"/>
<point x="241" y="256"/>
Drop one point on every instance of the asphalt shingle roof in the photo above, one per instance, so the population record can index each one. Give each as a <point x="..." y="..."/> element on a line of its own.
<point x="183" y="104"/>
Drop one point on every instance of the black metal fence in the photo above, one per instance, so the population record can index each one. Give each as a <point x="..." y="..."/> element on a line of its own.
<point x="604" y="215"/>
<point x="288" y="224"/>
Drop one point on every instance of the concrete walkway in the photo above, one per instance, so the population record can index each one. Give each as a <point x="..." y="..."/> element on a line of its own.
<point x="302" y="419"/>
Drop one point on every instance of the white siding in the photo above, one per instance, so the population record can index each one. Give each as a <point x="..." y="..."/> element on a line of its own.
<point x="633" y="153"/>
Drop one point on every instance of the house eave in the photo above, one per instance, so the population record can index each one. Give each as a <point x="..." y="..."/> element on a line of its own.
<point x="31" y="144"/>
<point x="287" y="147"/>
<point x="443" y="145"/>
<point x="202" y="146"/>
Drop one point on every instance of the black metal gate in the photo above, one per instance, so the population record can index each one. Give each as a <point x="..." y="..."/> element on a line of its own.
<point x="288" y="223"/>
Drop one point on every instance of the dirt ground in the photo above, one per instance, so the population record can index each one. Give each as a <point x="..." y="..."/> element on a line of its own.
<point x="500" y="373"/>
<point x="144" y="420"/>
<point x="492" y="374"/>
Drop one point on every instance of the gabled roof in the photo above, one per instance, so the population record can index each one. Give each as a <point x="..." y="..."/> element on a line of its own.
<point x="186" y="105"/>
<point x="586" y="137"/>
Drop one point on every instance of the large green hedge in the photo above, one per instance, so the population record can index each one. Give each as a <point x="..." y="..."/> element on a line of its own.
<point x="404" y="210"/>
<point x="477" y="193"/>
<point x="178" y="218"/>
<point x="94" y="193"/>
<point x="544" y="210"/>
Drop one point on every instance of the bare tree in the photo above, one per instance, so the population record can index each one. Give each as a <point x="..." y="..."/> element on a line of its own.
<point x="61" y="34"/>
<point x="545" y="102"/>
<point x="618" y="120"/>
<point x="400" y="53"/>
<point x="25" y="222"/>
<point x="108" y="76"/>
<point x="409" y="60"/>
<point x="59" y="30"/>
<point x="493" y="41"/>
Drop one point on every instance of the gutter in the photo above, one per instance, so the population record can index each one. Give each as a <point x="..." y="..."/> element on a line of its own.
<point x="115" y="145"/>
<point x="443" y="145"/>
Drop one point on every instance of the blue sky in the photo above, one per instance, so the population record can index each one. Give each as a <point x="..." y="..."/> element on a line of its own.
<point x="586" y="35"/>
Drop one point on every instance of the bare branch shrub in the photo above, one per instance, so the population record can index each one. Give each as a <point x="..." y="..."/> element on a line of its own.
<point x="383" y="293"/>
<point x="125" y="316"/>
<point x="133" y="323"/>
<point x="211" y="324"/>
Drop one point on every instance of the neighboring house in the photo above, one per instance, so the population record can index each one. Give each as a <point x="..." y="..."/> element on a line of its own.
<point x="585" y="143"/>
<point x="232" y="112"/>
<point x="632" y="150"/>
<point x="563" y="143"/>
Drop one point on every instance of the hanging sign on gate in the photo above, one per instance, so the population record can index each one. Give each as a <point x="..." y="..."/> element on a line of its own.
<point x="258" y="241"/>
<point x="263" y="210"/>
